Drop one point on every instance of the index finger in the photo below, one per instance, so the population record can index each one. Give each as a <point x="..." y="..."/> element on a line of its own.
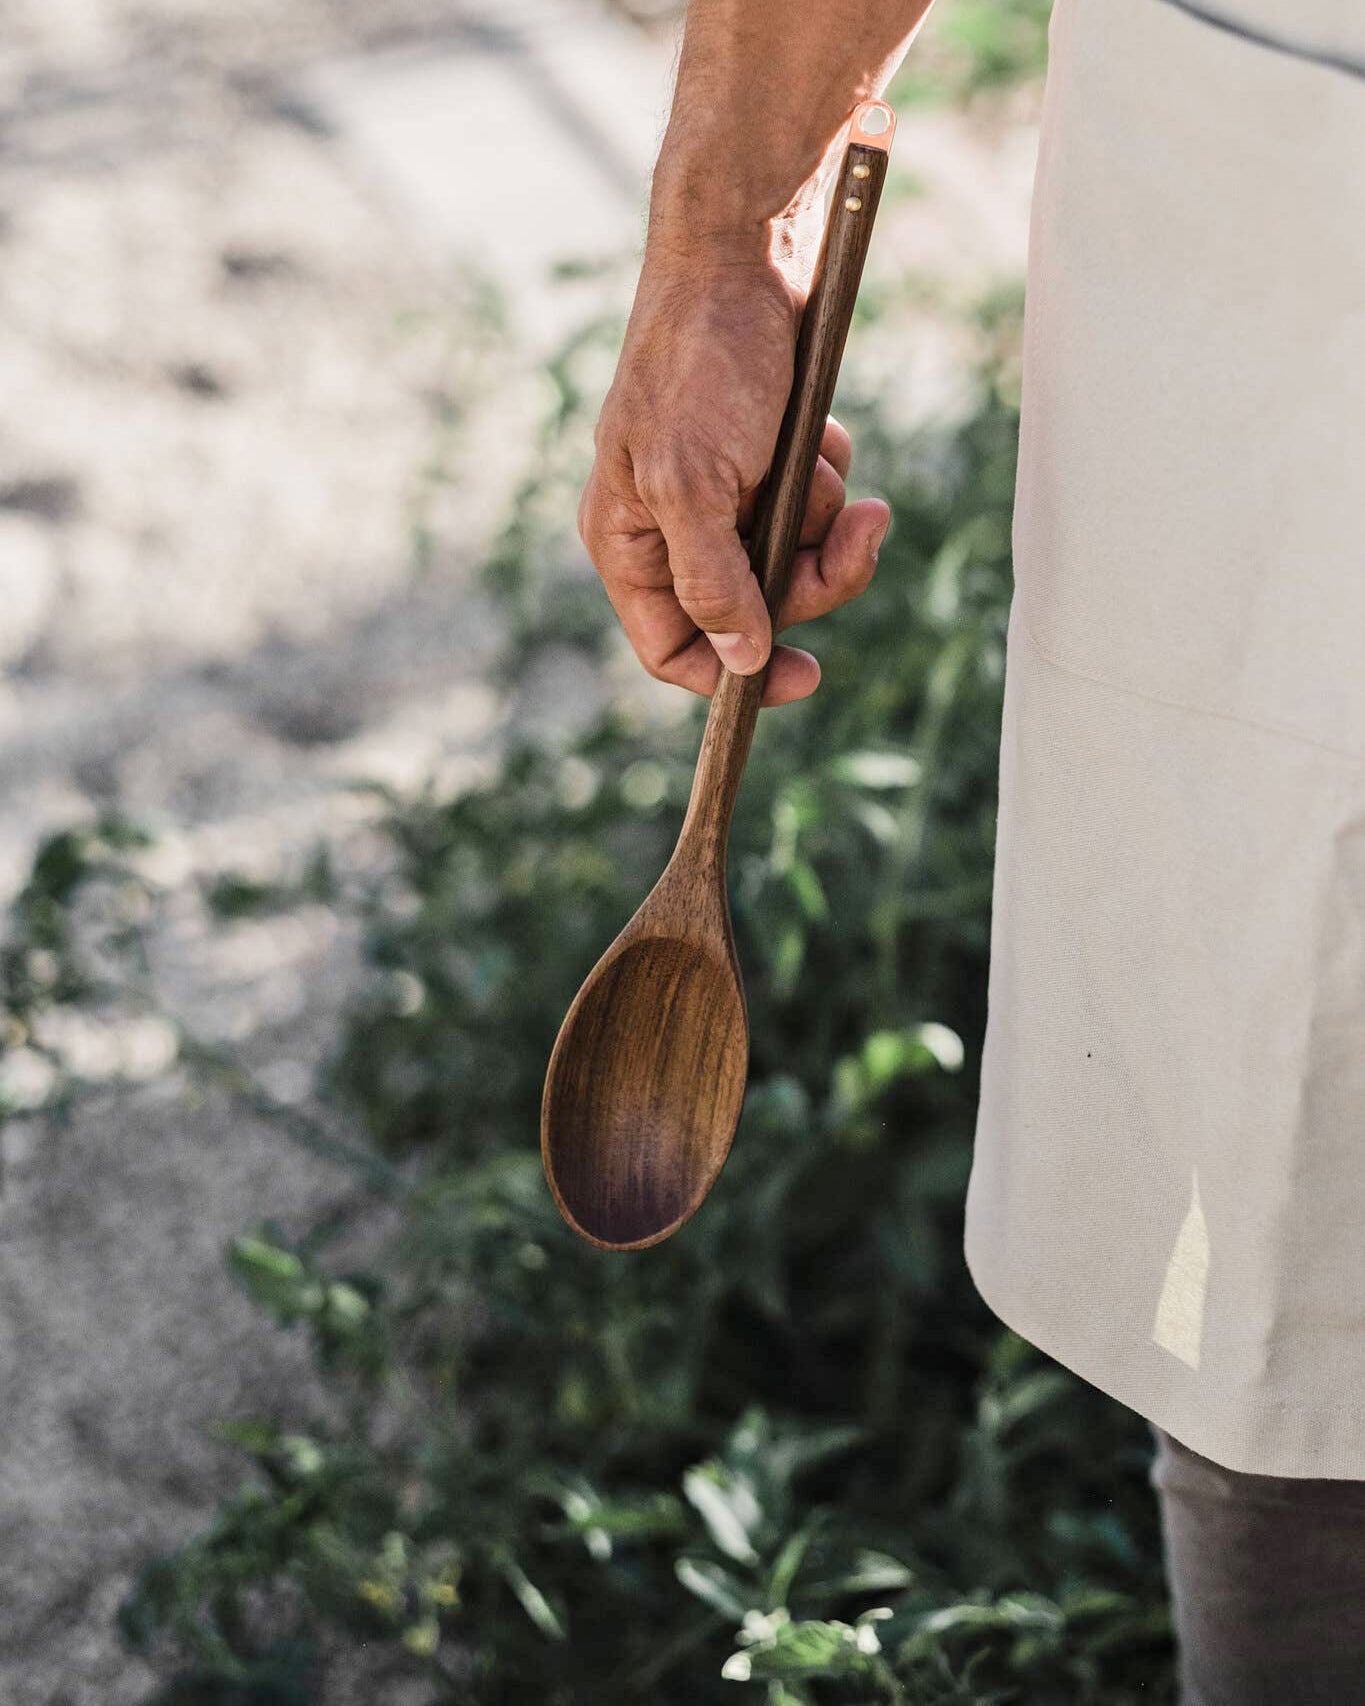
<point x="836" y="449"/>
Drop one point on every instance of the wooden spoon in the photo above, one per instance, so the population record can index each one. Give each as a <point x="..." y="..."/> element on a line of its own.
<point x="646" y="1080"/>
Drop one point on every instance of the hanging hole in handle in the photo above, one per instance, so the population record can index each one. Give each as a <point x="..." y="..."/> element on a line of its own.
<point x="873" y="125"/>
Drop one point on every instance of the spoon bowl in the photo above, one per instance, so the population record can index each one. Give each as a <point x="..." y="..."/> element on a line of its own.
<point x="645" y="1087"/>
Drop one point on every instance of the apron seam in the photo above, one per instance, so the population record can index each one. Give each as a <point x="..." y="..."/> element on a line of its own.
<point x="1026" y="630"/>
<point x="1324" y="58"/>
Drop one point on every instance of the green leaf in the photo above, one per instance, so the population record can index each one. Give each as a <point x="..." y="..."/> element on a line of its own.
<point x="800" y="1650"/>
<point x="713" y="1584"/>
<point x="871" y="769"/>
<point x="726" y="1504"/>
<point x="532" y="1601"/>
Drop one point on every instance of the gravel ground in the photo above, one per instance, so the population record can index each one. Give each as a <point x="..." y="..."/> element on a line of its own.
<point x="231" y="342"/>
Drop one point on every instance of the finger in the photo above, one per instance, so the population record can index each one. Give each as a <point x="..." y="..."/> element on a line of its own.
<point x="792" y="673"/>
<point x="634" y="566"/>
<point x="822" y="579"/>
<point x="837" y="447"/>
<point x="712" y="579"/>
<point x="716" y="587"/>
<point x="823" y="502"/>
<point x="656" y="625"/>
<point x="665" y="638"/>
<point x="630" y="555"/>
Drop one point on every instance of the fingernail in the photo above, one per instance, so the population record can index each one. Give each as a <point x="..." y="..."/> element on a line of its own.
<point x="736" y="651"/>
<point x="878" y="538"/>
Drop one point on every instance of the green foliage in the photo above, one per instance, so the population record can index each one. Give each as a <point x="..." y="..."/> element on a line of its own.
<point x="787" y="1453"/>
<point x="970" y="47"/>
<point x="231" y="895"/>
<point x="41" y="964"/>
<point x="787" y="1456"/>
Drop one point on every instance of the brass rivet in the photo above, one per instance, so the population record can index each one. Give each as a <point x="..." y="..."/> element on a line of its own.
<point x="853" y="203"/>
<point x="862" y="171"/>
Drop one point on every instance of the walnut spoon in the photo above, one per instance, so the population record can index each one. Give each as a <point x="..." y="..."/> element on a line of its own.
<point x="646" y="1080"/>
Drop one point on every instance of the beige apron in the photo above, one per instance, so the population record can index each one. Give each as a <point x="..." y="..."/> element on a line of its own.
<point x="1168" y="1189"/>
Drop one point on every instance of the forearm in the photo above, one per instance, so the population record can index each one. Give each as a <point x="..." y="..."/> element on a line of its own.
<point x="687" y="430"/>
<point x="763" y="88"/>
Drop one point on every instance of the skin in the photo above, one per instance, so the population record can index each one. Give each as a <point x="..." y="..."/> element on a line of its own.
<point x="688" y="427"/>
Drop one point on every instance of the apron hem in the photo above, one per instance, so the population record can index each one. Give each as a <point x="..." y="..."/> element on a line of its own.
<point x="1253" y="1437"/>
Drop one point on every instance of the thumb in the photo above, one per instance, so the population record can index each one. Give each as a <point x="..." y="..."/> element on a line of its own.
<point x="696" y="509"/>
<point x="715" y="584"/>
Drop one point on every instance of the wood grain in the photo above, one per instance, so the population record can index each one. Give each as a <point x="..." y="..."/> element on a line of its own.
<point x="782" y="503"/>
<point x="646" y="1081"/>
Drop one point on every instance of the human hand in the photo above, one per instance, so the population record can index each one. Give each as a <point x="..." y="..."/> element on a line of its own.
<point x="684" y="439"/>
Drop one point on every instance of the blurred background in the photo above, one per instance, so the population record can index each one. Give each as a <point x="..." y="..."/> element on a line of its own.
<point x="325" y="780"/>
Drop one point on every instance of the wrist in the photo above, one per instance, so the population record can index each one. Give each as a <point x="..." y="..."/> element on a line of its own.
<point x="736" y="169"/>
<point x="712" y="206"/>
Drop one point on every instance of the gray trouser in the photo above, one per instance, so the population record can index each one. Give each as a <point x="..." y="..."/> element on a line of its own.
<point x="1267" y="1582"/>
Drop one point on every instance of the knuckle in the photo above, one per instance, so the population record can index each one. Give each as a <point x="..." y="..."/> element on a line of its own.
<point x="602" y="525"/>
<point x="709" y="602"/>
<point x="676" y="475"/>
<point x="589" y="511"/>
<point x="605" y="502"/>
<point x="654" y="665"/>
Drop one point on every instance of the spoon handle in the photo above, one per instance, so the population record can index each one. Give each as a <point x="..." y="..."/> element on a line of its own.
<point x="782" y="502"/>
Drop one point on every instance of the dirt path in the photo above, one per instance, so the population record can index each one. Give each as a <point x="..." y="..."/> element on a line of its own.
<point x="226" y="366"/>
<point x="231" y="348"/>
